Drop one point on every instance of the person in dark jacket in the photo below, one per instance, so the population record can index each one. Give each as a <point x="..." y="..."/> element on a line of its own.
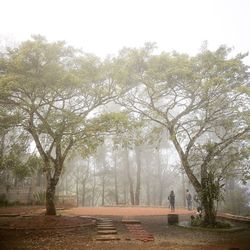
<point x="189" y="199"/>
<point x="171" y="199"/>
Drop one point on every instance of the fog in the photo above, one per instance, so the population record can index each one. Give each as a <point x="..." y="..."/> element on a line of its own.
<point x="142" y="98"/>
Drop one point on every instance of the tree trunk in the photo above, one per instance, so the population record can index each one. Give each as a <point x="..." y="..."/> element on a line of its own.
<point x="51" y="186"/>
<point x="77" y="192"/>
<point x="50" y="197"/>
<point x="160" y="177"/>
<point x="209" y="212"/>
<point x="207" y="197"/>
<point x="138" y="177"/>
<point x="83" y="191"/>
<point x="148" y="193"/>
<point x="125" y="191"/>
<point x="160" y="193"/>
<point x="94" y="186"/>
<point x="131" y="188"/>
<point x="116" y="186"/>
<point x="103" y="189"/>
<point x="204" y="188"/>
<point x="183" y="190"/>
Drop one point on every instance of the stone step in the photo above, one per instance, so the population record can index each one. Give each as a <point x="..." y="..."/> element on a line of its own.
<point x="104" y="223"/>
<point x="107" y="232"/>
<point x="106" y="220"/>
<point x="131" y="222"/>
<point x="106" y="227"/>
<point x="107" y="237"/>
<point x="9" y="215"/>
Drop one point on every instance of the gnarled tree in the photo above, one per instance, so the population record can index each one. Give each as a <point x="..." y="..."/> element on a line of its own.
<point x="54" y="90"/>
<point x="203" y="102"/>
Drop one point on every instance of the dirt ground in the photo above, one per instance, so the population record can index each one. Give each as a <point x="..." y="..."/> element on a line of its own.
<point x="33" y="230"/>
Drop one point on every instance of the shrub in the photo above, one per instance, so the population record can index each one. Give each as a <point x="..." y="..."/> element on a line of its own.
<point x="198" y="221"/>
<point x="3" y="200"/>
<point x="39" y="198"/>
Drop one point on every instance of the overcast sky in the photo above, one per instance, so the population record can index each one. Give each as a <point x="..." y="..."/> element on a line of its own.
<point x="103" y="27"/>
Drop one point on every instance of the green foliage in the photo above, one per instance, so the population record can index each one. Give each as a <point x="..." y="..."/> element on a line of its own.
<point x="14" y="164"/>
<point x="3" y="200"/>
<point x="34" y="163"/>
<point x="39" y="198"/>
<point x="53" y="88"/>
<point x="236" y="201"/>
<point x="198" y="221"/>
<point x="212" y="188"/>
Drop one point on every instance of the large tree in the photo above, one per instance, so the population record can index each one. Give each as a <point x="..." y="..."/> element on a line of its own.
<point x="203" y="102"/>
<point x="55" y="91"/>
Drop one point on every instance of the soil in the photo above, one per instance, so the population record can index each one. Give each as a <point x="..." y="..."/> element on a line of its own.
<point x="76" y="229"/>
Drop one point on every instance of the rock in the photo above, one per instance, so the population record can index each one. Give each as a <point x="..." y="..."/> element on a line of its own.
<point x="173" y="219"/>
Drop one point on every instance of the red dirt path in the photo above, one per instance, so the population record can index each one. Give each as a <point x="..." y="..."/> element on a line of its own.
<point x="153" y="220"/>
<point x="124" y="211"/>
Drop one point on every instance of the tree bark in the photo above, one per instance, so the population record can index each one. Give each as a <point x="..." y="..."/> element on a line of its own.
<point x="183" y="190"/>
<point x="50" y="197"/>
<point x="116" y="185"/>
<point x="207" y="198"/>
<point x="77" y="191"/>
<point x="83" y="191"/>
<point x="160" y="177"/>
<point x="131" y="187"/>
<point x="148" y="175"/>
<point x="103" y="189"/>
<point x="138" y="177"/>
<point x="52" y="181"/>
<point x="94" y="186"/>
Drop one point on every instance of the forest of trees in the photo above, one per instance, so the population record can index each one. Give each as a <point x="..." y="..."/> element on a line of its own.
<point x="125" y="129"/>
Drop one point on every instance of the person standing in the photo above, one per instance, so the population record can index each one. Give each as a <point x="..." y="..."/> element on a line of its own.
<point x="189" y="199"/>
<point x="171" y="199"/>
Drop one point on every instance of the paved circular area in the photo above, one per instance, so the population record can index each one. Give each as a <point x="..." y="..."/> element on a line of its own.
<point x="124" y="211"/>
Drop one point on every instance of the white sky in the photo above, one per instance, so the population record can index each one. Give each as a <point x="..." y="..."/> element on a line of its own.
<point x="103" y="27"/>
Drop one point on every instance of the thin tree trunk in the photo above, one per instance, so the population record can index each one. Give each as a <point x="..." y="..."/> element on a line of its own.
<point x="160" y="179"/>
<point x="103" y="189"/>
<point x="77" y="201"/>
<point x="183" y="190"/>
<point x="131" y="188"/>
<point x="116" y="185"/>
<point x="138" y="177"/>
<point x="160" y="193"/>
<point x="148" y="196"/>
<point x="94" y="186"/>
<point x="83" y="191"/>
<point x="66" y="185"/>
<point x="148" y="193"/>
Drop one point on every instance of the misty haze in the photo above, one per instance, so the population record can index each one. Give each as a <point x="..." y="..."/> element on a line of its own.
<point x="111" y="132"/>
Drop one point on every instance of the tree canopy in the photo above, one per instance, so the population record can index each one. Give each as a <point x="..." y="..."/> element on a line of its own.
<point x="203" y="102"/>
<point x="54" y="91"/>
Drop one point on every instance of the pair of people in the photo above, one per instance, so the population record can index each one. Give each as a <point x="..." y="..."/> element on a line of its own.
<point x="171" y="199"/>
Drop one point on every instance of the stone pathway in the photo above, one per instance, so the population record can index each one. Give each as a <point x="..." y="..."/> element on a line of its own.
<point x="137" y="232"/>
<point x="106" y="231"/>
